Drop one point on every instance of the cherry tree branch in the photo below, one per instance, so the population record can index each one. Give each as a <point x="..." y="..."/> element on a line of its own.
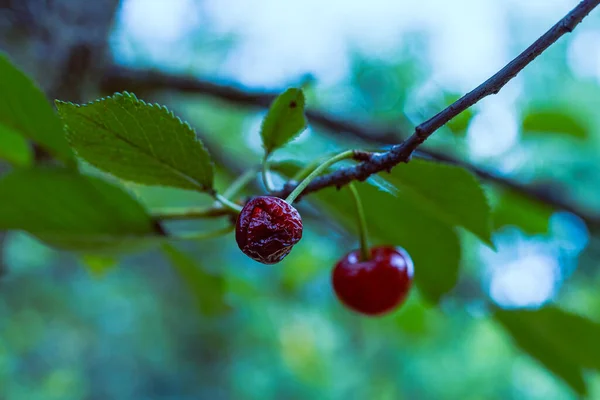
<point x="402" y="152"/>
<point x="139" y="81"/>
<point x="148" y="81"/>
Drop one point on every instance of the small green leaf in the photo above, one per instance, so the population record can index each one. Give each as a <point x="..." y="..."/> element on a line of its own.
<point x="563" y="342"/>
<point x="98" y="265"/>
<point x="555" y="120"/>
<point x="284" y="121"/>
<point x="14" y="148"/>
<point x="73" y="211"/>
<point x="449" y="193"/>
<point x="25" y="110"/>
<point x="514" y="209"/>
<point x="139" y="142"/>
<point x="208" y="290"/>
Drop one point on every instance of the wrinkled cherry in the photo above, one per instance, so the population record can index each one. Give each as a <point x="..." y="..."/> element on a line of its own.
<point x="267" y="229"/>
<point x="374" y="286"/>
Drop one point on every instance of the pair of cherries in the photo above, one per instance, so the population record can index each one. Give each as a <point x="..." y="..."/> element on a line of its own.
<point x="268" y="227"/>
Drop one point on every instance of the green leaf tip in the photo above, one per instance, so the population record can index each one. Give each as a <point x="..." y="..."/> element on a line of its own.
<point x="284" y="121"/>
<point x="138" y="141"/>
<point x="514" y="209"/>
<point x="97" y="265"/>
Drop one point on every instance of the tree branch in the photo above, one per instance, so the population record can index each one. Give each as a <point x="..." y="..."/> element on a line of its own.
<point x="140" y="81"/>
<point x="402" y="152"/>
<point x="146" y="81"/>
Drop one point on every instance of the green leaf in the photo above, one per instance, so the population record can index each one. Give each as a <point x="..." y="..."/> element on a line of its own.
<point x="514" y="209"/>
<point x="14" y="148"/>
<point x="98" y="265"/>
<point x="284" y="121"/>
<point x="555" y="120"/>
<point x="25" y="110"/>
<point x="433" y="245"/>
<point x="563" y="342"/>
<point x="446" y="192"/>
<point x="73" y="212"/>
<point x="208" y="290"/>
<point x="139" y="142"/>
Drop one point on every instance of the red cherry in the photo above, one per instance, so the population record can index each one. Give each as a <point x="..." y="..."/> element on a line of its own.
<point x="267" y="229"/>
<point x="375" y="286"/>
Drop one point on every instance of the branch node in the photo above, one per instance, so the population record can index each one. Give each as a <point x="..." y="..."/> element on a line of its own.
<point x="361" y="155"/>
<point x="420" y="132"/>
<point x="567" y="27"/>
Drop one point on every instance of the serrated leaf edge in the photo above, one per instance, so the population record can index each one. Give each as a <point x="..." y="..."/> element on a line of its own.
<point x="134" y="98"/>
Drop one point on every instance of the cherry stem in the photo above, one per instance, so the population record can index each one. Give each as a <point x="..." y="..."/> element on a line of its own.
<point x="266" y="176"/>
<point x="205" y="235"/>
<point x="220" y="209"/>
<point x="316" y="172"/>
<point x="227" y="203"/>
<point x="362" y="224"/>
<point x="240" y="183"/>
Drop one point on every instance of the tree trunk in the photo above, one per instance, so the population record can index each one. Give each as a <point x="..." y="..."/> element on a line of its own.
<point x="62" y="44"/>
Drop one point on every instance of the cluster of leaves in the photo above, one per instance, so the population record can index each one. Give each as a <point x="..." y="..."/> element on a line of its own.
<point x="419" y="206"/>
<point x="90" y="215"/>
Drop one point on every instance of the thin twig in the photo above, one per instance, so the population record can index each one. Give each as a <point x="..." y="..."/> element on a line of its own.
<point x="140" y="81"/>
<point x="402" y="152"/>
<point x="144" y="81"/>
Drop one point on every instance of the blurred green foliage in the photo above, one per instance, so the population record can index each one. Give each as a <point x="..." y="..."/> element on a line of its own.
<point x="72" y="211"/>
<point x="200" y="320"/>
<point x="26" y="111"/>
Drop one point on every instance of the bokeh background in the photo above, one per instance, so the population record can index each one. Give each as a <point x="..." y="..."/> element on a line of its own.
<point x="72" y="328"/>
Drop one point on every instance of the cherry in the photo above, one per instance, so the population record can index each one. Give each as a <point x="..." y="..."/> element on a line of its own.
<point x="267" y="229"/>
<point x="375" y="286"/>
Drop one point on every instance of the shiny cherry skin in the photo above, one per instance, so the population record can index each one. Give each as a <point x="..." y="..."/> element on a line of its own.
<point x="267" y="229"/>
<point x="375" y="286"/>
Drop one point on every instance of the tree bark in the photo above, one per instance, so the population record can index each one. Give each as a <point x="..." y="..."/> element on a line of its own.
<point x="61" y="44"/>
